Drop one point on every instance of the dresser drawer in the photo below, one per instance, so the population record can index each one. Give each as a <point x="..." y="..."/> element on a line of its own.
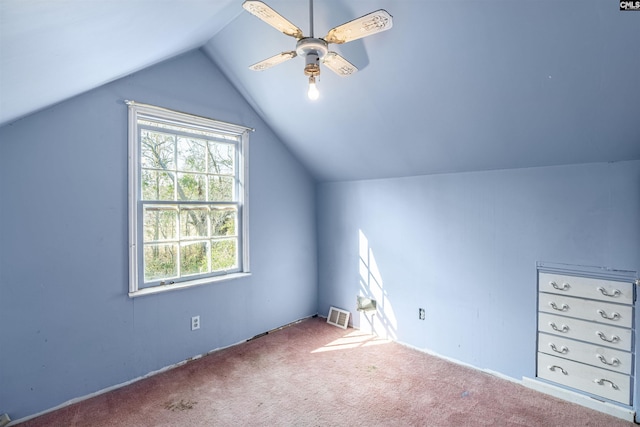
<point x="597" y="311"/>
<point x="585" y="287"/>
<point x="602" y="335"/>
<point x="607" y="384"/>
<point x="591" y="354"/>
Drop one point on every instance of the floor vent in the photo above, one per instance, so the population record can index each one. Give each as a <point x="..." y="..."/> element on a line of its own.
<point x="338" y="317"/>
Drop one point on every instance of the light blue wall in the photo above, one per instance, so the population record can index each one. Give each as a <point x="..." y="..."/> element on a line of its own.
<point x="67" y="326"/>
<point x="465" y="246"/>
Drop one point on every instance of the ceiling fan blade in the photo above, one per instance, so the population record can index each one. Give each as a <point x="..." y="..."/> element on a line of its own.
<point x="272" y="18"/>
<point x="372" y="23"/>
<point x="274" y="60"/>
<point x="338" y="64"/>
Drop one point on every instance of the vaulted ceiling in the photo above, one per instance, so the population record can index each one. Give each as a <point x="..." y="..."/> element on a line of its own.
<point x="454" y="86"/>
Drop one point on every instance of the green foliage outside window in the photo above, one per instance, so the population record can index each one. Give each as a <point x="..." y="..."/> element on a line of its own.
<point x="190" y="223"/>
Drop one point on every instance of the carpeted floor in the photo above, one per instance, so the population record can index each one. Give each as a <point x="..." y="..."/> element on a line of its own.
<point x="314" y="374"/>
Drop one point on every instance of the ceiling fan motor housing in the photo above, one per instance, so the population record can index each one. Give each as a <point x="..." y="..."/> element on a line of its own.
<point x="313" y="50"/>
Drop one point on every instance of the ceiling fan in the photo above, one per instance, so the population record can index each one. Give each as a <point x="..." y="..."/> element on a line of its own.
<point x="316" y="50"/>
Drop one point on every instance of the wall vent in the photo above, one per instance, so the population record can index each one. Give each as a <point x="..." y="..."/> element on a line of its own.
<point x="338" y="317"/>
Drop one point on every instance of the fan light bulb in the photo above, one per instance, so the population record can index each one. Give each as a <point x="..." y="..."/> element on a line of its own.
<point x="313" y="89"/>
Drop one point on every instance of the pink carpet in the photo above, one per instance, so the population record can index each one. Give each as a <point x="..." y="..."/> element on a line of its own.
<point x="314" y="374"/>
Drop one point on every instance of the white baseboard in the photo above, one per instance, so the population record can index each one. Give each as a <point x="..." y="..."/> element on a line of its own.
<point x="461" y="363"/>
<point x="626" y="414"/>
<point x="115" y="387"/>
<point x="126" y="383"/>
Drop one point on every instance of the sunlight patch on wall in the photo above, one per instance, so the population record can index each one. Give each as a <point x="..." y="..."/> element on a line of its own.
<point x="382" y="321"/>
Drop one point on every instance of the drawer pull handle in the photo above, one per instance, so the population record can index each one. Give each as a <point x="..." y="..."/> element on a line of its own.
<point x="601" y="381"/>
<point x="614" y="361"/>
<point x="603" y="337"/>
<point x="554" y="367"/>
<point x="616" y="292"/>
<point x="563" y="307"/>
<point x="564" y="287"/>
<point x="614" y="316"/>
<point x="563" y="349"/>
<point x="564" y="328"/>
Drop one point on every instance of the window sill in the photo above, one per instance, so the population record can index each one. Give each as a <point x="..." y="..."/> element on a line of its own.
<point x="184" y="285"/>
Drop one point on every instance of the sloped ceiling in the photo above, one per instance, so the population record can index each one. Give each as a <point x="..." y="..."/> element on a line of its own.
<point x="452" y="87"/>
<point x="51" y="50"/>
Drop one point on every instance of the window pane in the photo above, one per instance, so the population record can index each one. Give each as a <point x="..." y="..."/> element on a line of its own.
<point x="193" y="222"/>
<point x="160" y="223"/>
<point x="188" y="210"/>
<point x="157" y="185"/>
<point x="224" y="254"/>
<point x="160" y="261"/>
<point x="221" y="158"/>
<point x="193" y="258"/>
<point x="221" y="188"/>
<point x="192" y="154"/>
<point x="157" y="150"/>
<point x="191" y="186"/>
<point x="223" y="221"/>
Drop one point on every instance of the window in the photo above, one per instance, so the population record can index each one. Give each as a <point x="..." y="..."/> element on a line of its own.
<point x="187" y="200"/>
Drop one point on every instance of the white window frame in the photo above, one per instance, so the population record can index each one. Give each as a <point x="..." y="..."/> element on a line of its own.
<point x="137" y="110"/>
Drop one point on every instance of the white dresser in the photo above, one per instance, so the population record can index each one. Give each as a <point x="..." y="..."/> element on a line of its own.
<point x="585" y="334"/>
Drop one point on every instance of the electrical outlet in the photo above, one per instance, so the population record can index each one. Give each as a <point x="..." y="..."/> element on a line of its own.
<point x="421" y="313"/>
<point x="195" y="323"/>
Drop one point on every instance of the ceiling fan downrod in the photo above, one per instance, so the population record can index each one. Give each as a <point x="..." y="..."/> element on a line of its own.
<point x="311" y="17"/>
